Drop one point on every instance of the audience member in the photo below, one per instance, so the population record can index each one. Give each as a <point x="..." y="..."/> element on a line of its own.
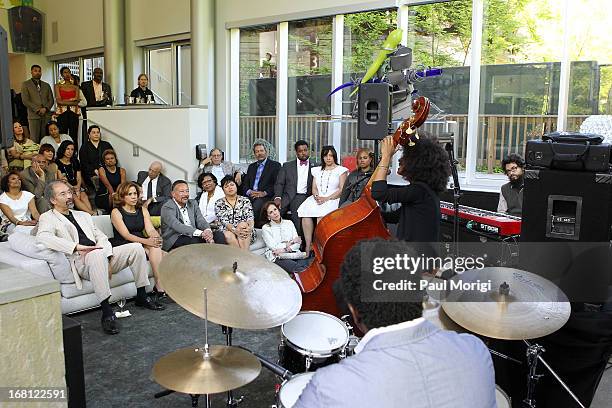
<point x="67" y="99"/>
<point x="96" y="92"/>
<point x="328" y="182"/>
<point x="294" y="183"/>
<point x="4" y="168"/>
<point x="259" y="181"/>
<point x="48" y="152"/>
<point x="358" y="178"/>
<point x="54" y="137"/>
<point x="211" y="192"/>
<point x="215" y="164"/>
<point x="142" y="93"/>
<point x="69" y="170"/>
<point x="35" y="178"/>
<point x="92" y="257"/>
<point x="20" y="154"/>
<point x="91" y="154"/>
<point x="282" y="240"/>
<point x="111" y="175"/>
<point x="156" y="188"/>
<point x="131" y="221"/>
<point x="18" y="206"/>
<point x="37" y="96"/>
<point x="182" y="222"/>
<point x="235" y="216"/>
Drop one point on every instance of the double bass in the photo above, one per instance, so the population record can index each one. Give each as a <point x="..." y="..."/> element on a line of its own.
<point x="341" y="229"/>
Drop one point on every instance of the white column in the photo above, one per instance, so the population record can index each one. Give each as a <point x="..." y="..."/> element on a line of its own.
<point x="134" y="61"/>
<point x="281" y="90"/>
<point x="402" y="22"/>
<point x="114" y="34"/>
<point x="474" y="95"/>
<point x="234" y="96"/>
<point x="337" y="77"/>
<point x="564" y="78"/>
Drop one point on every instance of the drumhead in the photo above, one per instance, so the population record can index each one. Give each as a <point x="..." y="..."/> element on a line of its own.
<point x="502" y="399"/>
<point x="316" y="332"/>
<point x="292" y="389"/>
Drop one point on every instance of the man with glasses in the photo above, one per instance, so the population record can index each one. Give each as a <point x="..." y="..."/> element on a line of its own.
<point x="511" y="197"/>
<point x="156" y="188"/>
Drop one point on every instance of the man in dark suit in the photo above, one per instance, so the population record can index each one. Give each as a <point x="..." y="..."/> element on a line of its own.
<point x="182" y="222"/>
<point x="260" y="179"/>
<point x="97" y="93"/>
<point x="156" y="188"/>
<point x="37" y="96"/>
<point x="294" y="183"/>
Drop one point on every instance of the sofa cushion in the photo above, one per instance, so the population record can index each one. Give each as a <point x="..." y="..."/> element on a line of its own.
<point x="27" y="245"/>
<point x="35" y="266"/>
<point x="103" y="223"/>
<point x="120" y="278"/>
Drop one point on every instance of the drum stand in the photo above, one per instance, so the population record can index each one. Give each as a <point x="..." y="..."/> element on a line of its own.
<point x="231" y="401"/>
<point x="534" y="354"/>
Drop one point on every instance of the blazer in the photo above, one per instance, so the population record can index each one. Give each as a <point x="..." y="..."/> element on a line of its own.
<point x="418" y="367"/>
<point x="286" y="182"/>
<point x="90" y="95"/>
<point x="267" y="179"/>
<point x="164" y="186"/>
<point x="33" y="99"/>
<point x="57" y="233"/>
<point x="36" y="186"/>
<point x="229" y="169"/>
<point x="172" y="225"/>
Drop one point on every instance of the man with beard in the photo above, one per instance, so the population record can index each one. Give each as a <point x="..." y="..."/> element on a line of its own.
<point x="294" y="183"/>
<point x="511" y="197"/>
<point x="90" y="254"/>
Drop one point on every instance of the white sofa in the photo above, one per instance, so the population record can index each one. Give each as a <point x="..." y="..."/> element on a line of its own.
<point x="75" y="300"/>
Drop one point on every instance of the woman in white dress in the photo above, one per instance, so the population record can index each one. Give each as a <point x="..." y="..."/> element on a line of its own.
<point x="328" y="181"/>
<point x="18" y="206"/>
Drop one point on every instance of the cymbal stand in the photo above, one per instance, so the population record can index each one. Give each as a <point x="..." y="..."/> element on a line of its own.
<point x="456" y="192"/>
<point x="534" y="354"/>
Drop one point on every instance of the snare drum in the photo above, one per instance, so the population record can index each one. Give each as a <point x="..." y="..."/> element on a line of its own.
<point x="502" y="399"/>
<point x="312" y="340"/>
<point x="292" y="389"/>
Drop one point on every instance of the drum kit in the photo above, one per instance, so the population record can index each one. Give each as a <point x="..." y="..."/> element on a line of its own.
<point x="238" y="289"/>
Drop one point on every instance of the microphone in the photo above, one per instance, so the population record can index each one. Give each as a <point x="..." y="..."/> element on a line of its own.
<point x="275" y="368"/>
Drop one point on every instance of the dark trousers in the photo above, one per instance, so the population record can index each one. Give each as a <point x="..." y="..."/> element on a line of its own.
<point x="257" y="204"/>
<point x="292" y="265"/>
<point x="183" y="240"/>
<point x="68" y="123"/>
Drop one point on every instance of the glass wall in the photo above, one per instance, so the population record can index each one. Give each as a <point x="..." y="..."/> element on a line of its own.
<point x="309" y="82"/>
<point x="258" y="68"/>
<point x="184" y="74"/>
<point x="89" y="64"/>
<point x="161" y="73"/>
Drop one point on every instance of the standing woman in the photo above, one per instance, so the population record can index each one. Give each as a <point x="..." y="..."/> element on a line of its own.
<point x="23" y="149"/>
<point x="69" y="170"/>
<point x="130" y="221"/>
<point x="142" y="91"/>
<point x="111" y="175"/>
<point x="235" y="216"/>
<point x="18" y="206"/>
<point x="425" y="166"/>
<point x="282" y="240"/>
<point x="328" y="181"/>
<point x="54" y="137"/>
<point x="67" y="99"/>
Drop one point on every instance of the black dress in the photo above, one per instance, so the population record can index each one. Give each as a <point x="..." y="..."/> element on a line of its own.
<point x="102" y="194"/>
<point x="70" y="170"/>
<point x="91" y="159"/>
<point x="135" y="224"/>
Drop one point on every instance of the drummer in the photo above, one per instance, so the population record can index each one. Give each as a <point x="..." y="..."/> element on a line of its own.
<point x="403" y="360"/>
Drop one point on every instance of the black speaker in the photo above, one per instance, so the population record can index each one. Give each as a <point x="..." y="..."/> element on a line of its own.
<point x="374" y="109"/>
<point x="73" y="357"/>
<point x="566" y="206"/>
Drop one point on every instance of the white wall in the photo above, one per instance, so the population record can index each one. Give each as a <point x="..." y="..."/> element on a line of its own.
<point x="158" y="18"/>
<point x="79" y="26"/>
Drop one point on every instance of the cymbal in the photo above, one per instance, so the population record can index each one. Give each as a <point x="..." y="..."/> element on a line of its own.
<point x="534" y="307"/>
<point x="188" y="371"/>
<point x="257" y="295"/>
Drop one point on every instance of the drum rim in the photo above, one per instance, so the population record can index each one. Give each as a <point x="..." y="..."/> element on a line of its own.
<point x="295" y="376"/>
<point x="317" y="353"/>
<point x="503" y="393"/>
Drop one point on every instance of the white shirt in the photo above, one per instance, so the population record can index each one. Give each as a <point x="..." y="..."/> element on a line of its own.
<point x="208" y="206"/>
<point x="97" y="87"/>
<point x="217" y="171"/>
<point x="186" y="219"/>
<point x="19" y="207"/>
<point x="145" y="186"/>
<point x="386" y="329"/>
<point x="302" y="181"/>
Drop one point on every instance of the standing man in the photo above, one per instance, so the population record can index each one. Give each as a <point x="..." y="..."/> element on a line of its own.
<point x="260" y="179"/>
<point x="90" y="254"/>
<point x="294" y="183"/>
<point x="511" y="196"/>
<point x="156" y="188"/>
<point x="37" y="96"/>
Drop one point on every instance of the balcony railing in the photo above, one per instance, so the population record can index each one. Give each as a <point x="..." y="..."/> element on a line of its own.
<point x="499" y="135"/>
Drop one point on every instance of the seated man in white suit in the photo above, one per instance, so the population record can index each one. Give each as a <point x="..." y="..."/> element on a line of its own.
<point x="90" y="254"/>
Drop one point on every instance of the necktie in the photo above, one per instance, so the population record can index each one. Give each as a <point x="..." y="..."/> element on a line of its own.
<point x="150" y="189"/>
<point x="258" y="175"/>
<point x="303" y="162"/>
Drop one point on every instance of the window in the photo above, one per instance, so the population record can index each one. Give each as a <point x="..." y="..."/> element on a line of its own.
<point x="184" y="74"/>
<point x="258" y="68"/>
<point x="82" y="67"/>
<point x="169" y="71"/>
<point x="89" y="64"/>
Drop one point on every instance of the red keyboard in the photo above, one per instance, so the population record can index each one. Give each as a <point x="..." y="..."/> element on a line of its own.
<point x="488" y="222"/>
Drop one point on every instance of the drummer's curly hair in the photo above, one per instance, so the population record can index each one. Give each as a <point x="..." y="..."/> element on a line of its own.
<point x="376" y="314"/>
<point x="426" y="162"/>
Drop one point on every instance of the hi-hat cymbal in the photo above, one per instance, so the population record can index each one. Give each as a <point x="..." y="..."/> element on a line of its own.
<point x="258" y="294"/>
<point x="189" y="371"/>
<point x="534" y="307"/>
